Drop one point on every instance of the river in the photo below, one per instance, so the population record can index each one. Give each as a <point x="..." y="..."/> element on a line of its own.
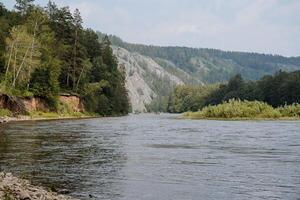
<point x="157" y="157"/>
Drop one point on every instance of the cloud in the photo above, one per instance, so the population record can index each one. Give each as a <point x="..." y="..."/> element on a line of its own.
<point x="267" y="26"/>
<point x="251" y="26"/>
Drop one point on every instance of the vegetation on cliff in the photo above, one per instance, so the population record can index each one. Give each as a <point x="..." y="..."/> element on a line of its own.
<point x="45" y="51"/>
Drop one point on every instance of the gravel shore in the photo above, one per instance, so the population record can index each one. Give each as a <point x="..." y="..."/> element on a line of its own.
<point x="13" y="188"/>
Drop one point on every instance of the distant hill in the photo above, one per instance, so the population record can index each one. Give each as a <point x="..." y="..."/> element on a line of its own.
<point x="153" y="71"/>
<point x="211" y="65"/>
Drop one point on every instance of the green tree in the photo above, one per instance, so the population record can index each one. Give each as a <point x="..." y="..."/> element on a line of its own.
<point x="20" y="56"/>
<point x="46" y="50"/>
<point x="24" y="5"/>
<point x="44" y="81"/>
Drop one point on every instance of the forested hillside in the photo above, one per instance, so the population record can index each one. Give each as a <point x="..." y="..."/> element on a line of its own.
<point x="211" y="65"/>
<point x="46" y="51"/>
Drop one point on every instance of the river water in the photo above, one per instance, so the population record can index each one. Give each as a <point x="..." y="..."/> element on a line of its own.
<point x="157" y="157"/>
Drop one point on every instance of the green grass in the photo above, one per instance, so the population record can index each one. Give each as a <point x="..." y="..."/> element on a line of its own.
<point x="5" y="113"/>
<point x="237" y="109"/>
<point x="40" y="114"/>
<point x="63" y="111"/>
<point x="56" y="115"/>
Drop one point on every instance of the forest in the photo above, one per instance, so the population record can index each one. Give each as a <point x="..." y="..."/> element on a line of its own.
<point x="45" y="51"/>
<point x="276" y="90"/>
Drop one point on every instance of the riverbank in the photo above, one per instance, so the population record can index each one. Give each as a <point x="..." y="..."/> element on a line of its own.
<point x="14" y="108"/>
<point x="46" y="116"/>
<point x="184" y="116"/>
<point x="13" y="188"/>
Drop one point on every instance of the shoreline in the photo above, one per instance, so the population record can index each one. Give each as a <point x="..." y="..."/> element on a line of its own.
<point x="12" y="187"/>
<point x="25" y="118"/>
<point x="242" y="119"/>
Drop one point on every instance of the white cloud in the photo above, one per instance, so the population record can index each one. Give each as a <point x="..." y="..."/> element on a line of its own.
<point x="270" y="26"/>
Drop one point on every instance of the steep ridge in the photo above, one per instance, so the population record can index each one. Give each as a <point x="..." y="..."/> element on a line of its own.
<point x="145" y="78"/>
<point x="212" y="65"/>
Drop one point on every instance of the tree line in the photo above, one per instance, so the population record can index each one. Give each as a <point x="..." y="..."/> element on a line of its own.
<point x="277" y="90"/>
<point x="46" y="51"/>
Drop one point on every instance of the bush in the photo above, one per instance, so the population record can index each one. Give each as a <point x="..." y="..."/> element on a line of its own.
<point x="64" y="109"/>
<point x="235" y="109"/>
<point x="290" y="110"/>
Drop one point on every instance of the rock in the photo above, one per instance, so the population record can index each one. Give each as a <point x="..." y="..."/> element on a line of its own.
<point x="140" y="73"/>
<point x="3" y="120"/>
<point x="23" y="195"/>
<point x="63" y="191"/>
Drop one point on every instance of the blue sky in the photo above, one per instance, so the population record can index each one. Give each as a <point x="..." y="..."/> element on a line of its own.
<point x="265" y="26"/>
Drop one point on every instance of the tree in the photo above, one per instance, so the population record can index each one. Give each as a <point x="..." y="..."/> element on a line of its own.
<point x="46" y="50"/>
<point x="37" y="26"/>
<point x="107" y="54"/>
<point x="18" y="57"/>
<point x="92" y="44"/>
<point x="8" y="19"/>
<point x="77" y="21"/>
<point x="24" y="5"/>
<point x="44" y="81"/>
<point x="61" y="22"/>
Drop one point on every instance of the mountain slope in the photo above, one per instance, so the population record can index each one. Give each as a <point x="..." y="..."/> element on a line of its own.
<point x="145" y="79"/>
<point x="211" y="65"/>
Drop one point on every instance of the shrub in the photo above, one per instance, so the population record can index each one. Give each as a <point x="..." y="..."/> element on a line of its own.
<point x="290" y="110"/>
<point x="64" y="109"/>
<point x="237" y="109"/>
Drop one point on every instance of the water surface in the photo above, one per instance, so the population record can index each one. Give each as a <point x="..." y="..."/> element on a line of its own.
<point x="157" y="157"/>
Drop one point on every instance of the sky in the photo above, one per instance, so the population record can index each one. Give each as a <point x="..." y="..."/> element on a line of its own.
<point x="264" y="26"/>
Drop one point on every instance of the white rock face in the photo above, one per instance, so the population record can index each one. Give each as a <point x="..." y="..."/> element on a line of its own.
<point x="137" y="68"/>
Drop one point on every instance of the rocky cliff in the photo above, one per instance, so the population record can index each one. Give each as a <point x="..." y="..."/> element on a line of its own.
<point x="145" y="78"/>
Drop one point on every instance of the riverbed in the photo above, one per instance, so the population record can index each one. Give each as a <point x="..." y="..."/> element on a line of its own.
<point x="161" y="157"/>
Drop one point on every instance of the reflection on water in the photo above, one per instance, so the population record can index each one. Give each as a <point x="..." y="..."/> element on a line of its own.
<point x="156" y="157"/>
